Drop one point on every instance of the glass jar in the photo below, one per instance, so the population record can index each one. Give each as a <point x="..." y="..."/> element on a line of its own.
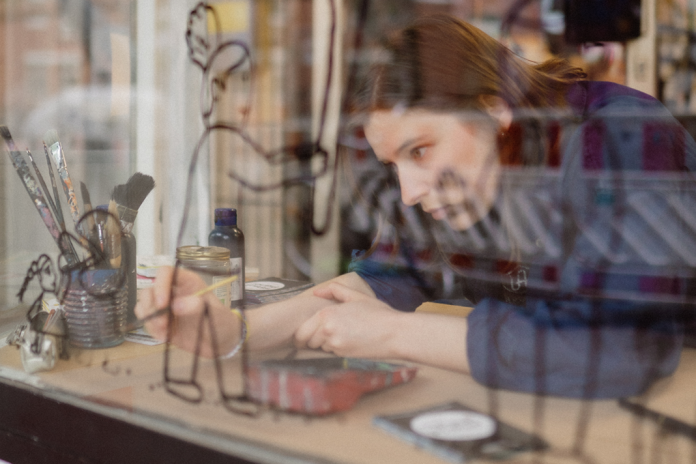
<point x="211" y="263"/>
<point x="96" y="306"/>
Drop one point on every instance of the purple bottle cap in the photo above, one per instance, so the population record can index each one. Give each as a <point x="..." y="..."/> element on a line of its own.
<point x="225" y="217"/>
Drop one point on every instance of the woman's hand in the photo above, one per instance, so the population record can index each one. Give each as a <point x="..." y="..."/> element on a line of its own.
<point x="357" y="325"/>
<point x="175" y="289"/>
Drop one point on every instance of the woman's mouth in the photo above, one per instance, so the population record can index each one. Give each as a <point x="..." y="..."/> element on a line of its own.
<point x="438" y="214"/>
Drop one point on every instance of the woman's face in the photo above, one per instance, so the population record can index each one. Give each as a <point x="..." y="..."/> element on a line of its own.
<point x="445" y="161"/>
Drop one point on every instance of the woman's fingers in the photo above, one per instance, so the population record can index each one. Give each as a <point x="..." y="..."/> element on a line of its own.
<point x="145" y="305"/>
<point x="182" y="313"/>
<point x="321" y="331"/>
<point x="305" y="332"/>
<point x="179" y="283"/>
<point x="340" y="293"/>
<point x="163" y="286"/>
<point x="310" y="333"/>
<point x="156" y="326"/>
<point x="156" y="297"/>
<point x="187" y="305"/>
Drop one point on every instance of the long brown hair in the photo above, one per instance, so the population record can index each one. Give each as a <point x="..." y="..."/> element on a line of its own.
<point x="443" y="64"/>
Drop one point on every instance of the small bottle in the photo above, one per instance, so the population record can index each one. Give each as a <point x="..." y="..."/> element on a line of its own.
<point x="226" y="234"/>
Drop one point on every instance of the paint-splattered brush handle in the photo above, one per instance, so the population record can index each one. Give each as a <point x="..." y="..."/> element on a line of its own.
<point x="70" y="194"/>
<point x="58" y="215"/>
<point x="72" y="201"/>
<point x="39" y="200"/>
<point x="62" y="168"/>
<point x="44" y="188"/>
<point x="54" y="186"/>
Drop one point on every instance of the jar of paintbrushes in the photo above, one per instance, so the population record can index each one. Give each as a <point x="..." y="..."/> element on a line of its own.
<point x="96" y="296"/>
<point x="96" y="305"/>
<point x="100" y="263"/>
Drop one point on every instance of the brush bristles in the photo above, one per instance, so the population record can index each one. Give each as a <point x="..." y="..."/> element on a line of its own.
<point x="139" y="186"/>
<point x="5" y="132"/>
<point x="85" y="195"/>
<point x="133" y="193"/>
<point x="120" y="194"/>
<point x="51" y="137"/>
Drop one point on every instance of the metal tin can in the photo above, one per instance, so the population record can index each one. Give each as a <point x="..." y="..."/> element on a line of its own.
<point x="211" y="263"/>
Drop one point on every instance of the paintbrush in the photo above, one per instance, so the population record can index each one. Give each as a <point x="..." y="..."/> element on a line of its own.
<point x="113" y="236"/>
<point x="130" y="196"/>
<point x="36" y="195"/>
<point x="87" y="205"/>
<point x="56" y="150"/>
<point x="99" y="227"/>
<point x="163" y="311"/>
<point x="59" y="208"/>
<point x="44" y="189"/>
<point x="53" y="205"/>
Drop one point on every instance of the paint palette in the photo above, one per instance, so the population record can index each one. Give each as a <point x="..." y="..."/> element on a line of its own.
<point x="320" y="386"/>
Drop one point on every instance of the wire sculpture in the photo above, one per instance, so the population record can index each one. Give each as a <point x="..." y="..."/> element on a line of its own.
<point x="208" y="52"/>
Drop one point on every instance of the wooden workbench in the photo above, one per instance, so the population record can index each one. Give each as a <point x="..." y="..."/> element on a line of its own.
<point x="111" y="406"/>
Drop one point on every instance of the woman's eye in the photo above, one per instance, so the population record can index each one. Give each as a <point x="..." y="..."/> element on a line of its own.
<point x="418" y="152"/>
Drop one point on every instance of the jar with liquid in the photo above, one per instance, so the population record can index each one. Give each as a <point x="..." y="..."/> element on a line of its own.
<point x="211" y="263"/>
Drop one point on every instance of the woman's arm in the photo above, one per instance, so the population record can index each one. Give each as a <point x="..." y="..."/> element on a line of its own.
<point x="359" y="325"/>
<point x="340" y="316"/>
<point x="270" y="326"/>
<point x="274" y="325"/>
<point x="573" y="347"/>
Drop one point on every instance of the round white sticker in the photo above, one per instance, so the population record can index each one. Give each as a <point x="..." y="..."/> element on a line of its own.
<point x="453" y="425"/>
<point x="261" y="285"/>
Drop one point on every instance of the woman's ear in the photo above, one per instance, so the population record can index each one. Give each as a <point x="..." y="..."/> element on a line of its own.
<point x="498" y="109"/>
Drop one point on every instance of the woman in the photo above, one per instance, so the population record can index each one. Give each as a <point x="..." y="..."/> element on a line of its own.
<point x="464" y="122"/>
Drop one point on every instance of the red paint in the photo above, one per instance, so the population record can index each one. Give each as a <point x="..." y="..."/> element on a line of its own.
<point x="321" y="386"/>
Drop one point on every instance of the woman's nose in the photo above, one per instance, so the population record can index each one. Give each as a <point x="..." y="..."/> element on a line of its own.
<point x="413" y="186"/>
